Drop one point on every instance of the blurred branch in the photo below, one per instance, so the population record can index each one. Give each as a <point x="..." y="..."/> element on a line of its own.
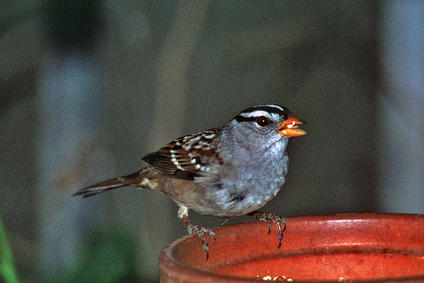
<point x="173" y="61"/>
<point x="169" y="109"/>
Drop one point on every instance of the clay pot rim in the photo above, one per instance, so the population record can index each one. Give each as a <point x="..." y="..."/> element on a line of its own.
<point x="169" y="261"/>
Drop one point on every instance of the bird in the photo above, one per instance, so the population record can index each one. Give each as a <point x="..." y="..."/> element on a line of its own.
<point x="229" y="171"/>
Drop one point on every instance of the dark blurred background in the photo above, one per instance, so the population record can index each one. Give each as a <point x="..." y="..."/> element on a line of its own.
<point x="88" y="87"/>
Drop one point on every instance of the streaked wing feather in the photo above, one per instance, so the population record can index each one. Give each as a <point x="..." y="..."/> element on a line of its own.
<point x="186" y="157"/>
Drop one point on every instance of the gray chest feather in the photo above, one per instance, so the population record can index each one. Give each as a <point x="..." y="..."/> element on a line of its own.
<point x="248" y="188"/>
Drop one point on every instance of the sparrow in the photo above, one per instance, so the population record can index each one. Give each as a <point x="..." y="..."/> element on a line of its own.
<point x="225" y="172"/>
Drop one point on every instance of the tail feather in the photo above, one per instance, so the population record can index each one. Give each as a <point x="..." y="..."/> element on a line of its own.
<point x="108" y="185"/>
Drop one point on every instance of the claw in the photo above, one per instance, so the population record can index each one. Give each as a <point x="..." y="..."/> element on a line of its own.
<point x="212" y="234"/>
<point x="268" y="222"/>
<point x="196" y="230"/>
<point x="270" y="218"/>
<point x="280" y="235"/>
<point x="200" y="232"/>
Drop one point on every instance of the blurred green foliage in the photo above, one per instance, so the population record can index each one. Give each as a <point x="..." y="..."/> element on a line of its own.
<point x="110" y="256"/>
<point x="7" y="267"/>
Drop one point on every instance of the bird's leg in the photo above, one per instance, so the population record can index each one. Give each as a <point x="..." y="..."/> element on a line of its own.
<point x="196" y="229"/>
<point x="270" y="218"/>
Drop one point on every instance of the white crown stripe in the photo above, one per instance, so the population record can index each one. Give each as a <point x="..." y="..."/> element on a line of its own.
<point x="272" y="106"/>
<point x="256" y="113"/>
<point x="266" y="107"/>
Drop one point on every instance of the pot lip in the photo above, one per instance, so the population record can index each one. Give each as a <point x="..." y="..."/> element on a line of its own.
<point x="168" y="261"/>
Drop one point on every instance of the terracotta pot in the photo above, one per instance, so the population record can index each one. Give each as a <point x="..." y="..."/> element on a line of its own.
<point x="350" y="247"/>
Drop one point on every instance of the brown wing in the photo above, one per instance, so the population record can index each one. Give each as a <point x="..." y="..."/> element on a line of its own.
<point x="186" y="157"/>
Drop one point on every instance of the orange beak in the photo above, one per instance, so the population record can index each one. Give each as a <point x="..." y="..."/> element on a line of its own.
<point x="290" y="127"/>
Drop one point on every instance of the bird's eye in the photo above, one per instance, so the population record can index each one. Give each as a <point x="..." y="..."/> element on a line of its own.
<point x="262" y="121"/>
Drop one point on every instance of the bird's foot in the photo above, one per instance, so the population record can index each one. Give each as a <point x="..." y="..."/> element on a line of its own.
<point x="196" y="230"/>
<point x="270" y="218"/>
<point x="200" y="232"/>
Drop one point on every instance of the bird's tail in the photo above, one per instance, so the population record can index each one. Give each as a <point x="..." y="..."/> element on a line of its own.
<point x="108" y="185"/>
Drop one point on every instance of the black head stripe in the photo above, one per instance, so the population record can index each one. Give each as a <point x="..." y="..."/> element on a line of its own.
<point x="240" y="118"/>
<point x="280" y="110"/>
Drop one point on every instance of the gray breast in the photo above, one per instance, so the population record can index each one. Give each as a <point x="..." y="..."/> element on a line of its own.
<point x="247" y="189"/>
